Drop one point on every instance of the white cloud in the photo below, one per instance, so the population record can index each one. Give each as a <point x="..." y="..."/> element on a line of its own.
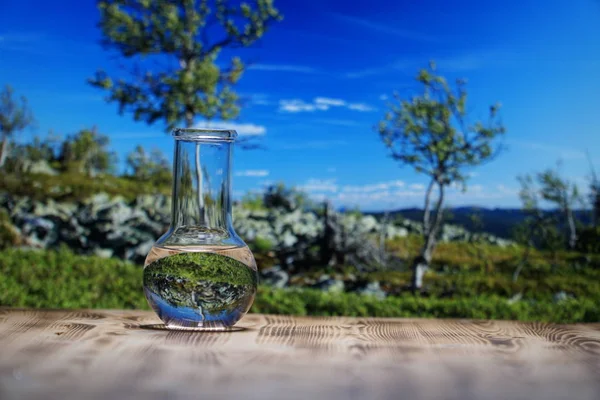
<point x="320" y="104"/>
<point x="254" y="173"/>
<point x="330" y="102"/>
<point x="362" y="107"/>
<point x="319" y="185"/>
<point x="243" y="129"/>
<point x="297" y="105"/>
<point x="284" y="68"/>
<point x="394" y="194"/>
<point x="373" y="187"/>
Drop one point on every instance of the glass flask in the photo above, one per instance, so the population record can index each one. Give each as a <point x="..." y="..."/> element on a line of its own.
<point x="200" y="274"/>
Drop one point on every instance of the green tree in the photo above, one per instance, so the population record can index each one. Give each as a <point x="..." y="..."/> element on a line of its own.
<point x="594" y="195"/>
<point x="189" y="35"/>
<point x="153" y="167"/>
<point x="20" y="158"/>
<point x="15" y="116"/>
<point x="87" y="152"/>
<point x="430" y="133"/>
<point x="550" y="187"/>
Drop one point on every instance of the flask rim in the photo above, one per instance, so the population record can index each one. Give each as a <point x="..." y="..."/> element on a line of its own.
<point x="204" y="135"/>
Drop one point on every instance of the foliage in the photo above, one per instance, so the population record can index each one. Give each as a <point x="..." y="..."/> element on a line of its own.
<point x="15" y="116"/>
<point x="199" y="266"/>
<point x="315" y="302"/>
<point x="153" y="167"/>
<point x="594" y="195"/>
<point x="189" y="35"/>
<point x="430" y="133"/>
<point x="9" y="236"/>
<point x="60" y="279"/>
<point x="286" y="198"/>
<point x="589" y="240"/>
<point x="73" y="186"/>
<point x="550" y="187"/>
<point x="253" y="201"/>
<point x="87" y="152"/>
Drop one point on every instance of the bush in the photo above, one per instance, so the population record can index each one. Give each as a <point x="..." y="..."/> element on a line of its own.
<point x="315" y="302"/>
<point x="74" y="186"/>
<point x="589" y="240"/>
<point x="60" y="279"/>
<point x="9" y="236"/>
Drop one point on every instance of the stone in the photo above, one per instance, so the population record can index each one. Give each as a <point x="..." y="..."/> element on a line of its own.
<point x="561" y="296"/>
<point x="103" y="253"/>
<point x="327" y="284"/>
<point x="139" y="252"/>
<point x="275" y="277"/>
<point x="372" y="289"/>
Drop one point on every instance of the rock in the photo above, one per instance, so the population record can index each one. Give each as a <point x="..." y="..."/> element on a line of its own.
<point x="561" y="296"/>
<point x="369" y="224"/>
<point x="103" y="253"/>
<point x="288" y="239"/>
<point x="38" y="232"/>
<point x="275" y="277"/>
<point x="39" y="167"/>
<point x="327" y="284"/>
<point x="373" y="289"/>
<point x="139" y="252"/>
<point x="515" y="299"/>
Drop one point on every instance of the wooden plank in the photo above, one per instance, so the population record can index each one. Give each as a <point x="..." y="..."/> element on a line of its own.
<point x="95" y="354"/>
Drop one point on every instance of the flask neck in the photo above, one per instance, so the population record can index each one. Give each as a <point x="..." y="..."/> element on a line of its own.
<point x="201" y="205"/>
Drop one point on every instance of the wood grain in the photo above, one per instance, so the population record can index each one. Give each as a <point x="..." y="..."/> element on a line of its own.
<point x="110" y="354"/>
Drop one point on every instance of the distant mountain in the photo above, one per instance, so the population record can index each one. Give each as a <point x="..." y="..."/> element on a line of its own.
<point x="497" y="221"/>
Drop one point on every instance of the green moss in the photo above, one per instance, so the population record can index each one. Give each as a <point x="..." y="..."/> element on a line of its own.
<point x="210" y="282"/>
<point x="202" y="267"/>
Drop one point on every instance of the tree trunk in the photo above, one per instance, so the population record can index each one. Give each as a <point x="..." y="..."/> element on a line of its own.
<point x="382" y="237"/>
<point x="422" y="262"/>
<point x="572" y="228"/>
<point x="522" y="262"/>
<point x="328" y="240"/>
<point x="3" y="148"/>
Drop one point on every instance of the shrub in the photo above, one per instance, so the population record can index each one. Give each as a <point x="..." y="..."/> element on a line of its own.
<point x="589" y="240"/>
<point x="60" y="279"/>
<point x="9" y="236"/>
<point x="74" y="186"/>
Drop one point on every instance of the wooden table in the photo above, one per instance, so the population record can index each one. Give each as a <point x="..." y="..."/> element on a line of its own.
<point x="92" y="354"/>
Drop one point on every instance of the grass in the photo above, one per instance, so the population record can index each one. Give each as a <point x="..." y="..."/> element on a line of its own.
<point x="70" y="186"/>
<point x="61" y="279"/>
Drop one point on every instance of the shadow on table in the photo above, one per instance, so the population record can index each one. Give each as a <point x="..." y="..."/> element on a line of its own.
<point x="163" y="327"/>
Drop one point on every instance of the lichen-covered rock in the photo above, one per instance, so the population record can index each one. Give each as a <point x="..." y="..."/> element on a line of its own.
<point x="372" y="289"/>
<point x="275" y="277"/>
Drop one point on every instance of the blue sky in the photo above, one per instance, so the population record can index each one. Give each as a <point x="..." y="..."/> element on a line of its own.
<point x="319" y="81"/>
